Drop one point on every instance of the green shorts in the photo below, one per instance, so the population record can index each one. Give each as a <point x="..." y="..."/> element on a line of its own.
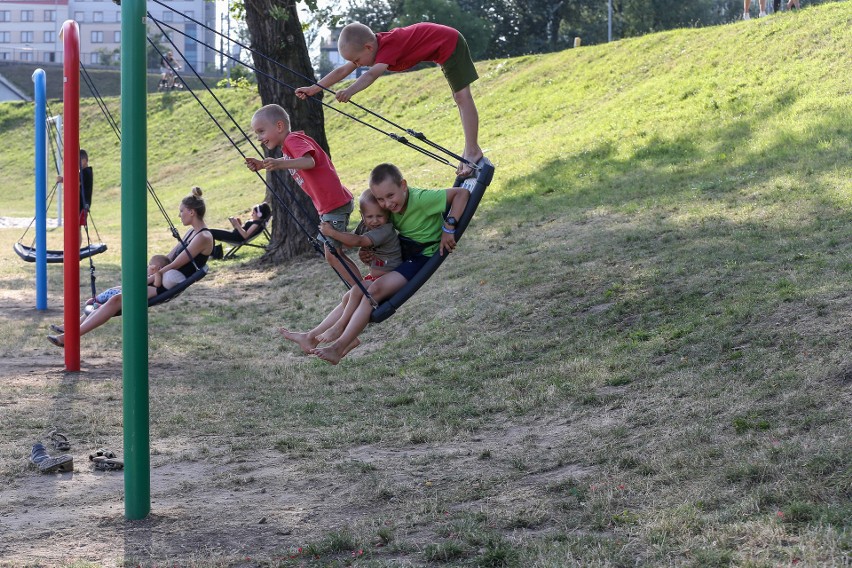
<point x="339" y="219"/>
<point x="459" y="69"/>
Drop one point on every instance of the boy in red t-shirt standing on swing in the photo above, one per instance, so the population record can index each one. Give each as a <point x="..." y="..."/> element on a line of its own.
<point x="401" y="49"/>
<point x="312" y="170"/>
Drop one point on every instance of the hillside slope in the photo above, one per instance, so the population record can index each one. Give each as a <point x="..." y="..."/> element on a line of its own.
<point x="638" y="355"/>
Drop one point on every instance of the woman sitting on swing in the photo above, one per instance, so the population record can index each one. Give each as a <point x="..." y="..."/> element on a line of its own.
<point x="260" y="215"/>
<point x="184" y="262"/>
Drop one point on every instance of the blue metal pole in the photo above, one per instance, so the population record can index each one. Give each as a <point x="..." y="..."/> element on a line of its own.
<point x="41" y="187"/>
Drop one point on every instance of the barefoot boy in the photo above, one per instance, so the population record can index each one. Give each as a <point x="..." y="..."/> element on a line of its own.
<point x="418" y="215"/>
<point x="401" y="49"/>
<point x="311" y="169"/>
<point x="376" y="235"/>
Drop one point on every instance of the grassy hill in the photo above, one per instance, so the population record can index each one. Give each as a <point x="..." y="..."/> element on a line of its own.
<point x="107" y="81"/>
<point x="638" y="356"/>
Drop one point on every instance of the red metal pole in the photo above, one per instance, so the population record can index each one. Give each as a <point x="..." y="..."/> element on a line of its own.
<point x="71" y="175"/>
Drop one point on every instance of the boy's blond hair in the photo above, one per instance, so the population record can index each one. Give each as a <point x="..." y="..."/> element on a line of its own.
<point x="272" y="113"/>
<point x="159" y="260"/>
<point x="367" y="198"/>
<point x="355" y="35"/>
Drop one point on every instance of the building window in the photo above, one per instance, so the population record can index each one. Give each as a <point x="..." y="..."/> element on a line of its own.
<point x="50" y="15"/>
<point x="79" y="17"/>
<point x="97" y="37"/>
<point x="118" y="17"/>
<point x="189" y="14"/>
<point x="168" y="16"/>
<point x="95" y="58"/>
<point x="26" y="56"/>
<point x="26" y="37"/>
<point x="98" y="17"/>
<point x="116" y="37"/>
<point x="5" y="16"/>
<point x="49" y="56"/>
<point x="26" y="15"/>
<point x="49" y="37"/>
<point x="5" y="37"/>
<point x="5" y="55"/>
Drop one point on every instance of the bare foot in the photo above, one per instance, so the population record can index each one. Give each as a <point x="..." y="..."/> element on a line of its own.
<point x="329" y="353"/>
<point x="465" y="170"/>
<point x="332" y="354"/>
<point x="304" y="339"/>
<point x="331" y="334"/>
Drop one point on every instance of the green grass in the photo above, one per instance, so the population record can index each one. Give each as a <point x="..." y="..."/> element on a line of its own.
<point x="638" y="356"/>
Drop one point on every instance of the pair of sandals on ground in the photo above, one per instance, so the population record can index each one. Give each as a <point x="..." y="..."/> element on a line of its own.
<point x="103" y="460"/>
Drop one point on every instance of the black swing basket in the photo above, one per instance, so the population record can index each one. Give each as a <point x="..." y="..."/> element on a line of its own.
<point x="167" y="295"/>
<point x="28" y="254"/>
<point x="477" y="186"/>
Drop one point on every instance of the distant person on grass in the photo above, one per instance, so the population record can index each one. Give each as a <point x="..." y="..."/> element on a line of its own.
<point x="747" y="6"/>
<point x="401" y="49"/>
<point x="418" y="215"/>
<point x="311" y="169"/>
<point x="376" y="234"/>
<point x="181" y="265"/>
<point x="260" y="215"/>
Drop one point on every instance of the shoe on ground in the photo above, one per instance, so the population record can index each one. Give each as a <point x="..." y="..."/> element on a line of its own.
<point x="762" y="15"/>
<point x="746" y="16"/>
<point x="103" y="463"/>
<point x="46" y="464"/>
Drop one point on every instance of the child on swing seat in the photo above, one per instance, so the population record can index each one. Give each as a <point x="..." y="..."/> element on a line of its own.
<point x="311" y="169"/>
<point x="401" y="49"/>
<point x="376" y="234"/>
<point x="418" y="215"/>
<point x="157" y="262"/>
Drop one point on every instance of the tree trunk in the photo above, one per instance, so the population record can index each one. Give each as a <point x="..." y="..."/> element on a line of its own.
<point x="276" y="32"/>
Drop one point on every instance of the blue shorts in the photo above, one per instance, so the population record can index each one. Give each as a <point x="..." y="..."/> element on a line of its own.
<point x="412" y="266"/>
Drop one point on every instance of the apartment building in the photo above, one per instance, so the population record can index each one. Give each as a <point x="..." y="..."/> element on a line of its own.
<point x="29" y="30"/>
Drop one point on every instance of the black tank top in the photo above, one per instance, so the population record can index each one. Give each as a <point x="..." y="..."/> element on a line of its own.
<point x="199" y="260"/>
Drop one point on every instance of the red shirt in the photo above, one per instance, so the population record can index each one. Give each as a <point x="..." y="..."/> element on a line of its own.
<point x="403" y="48"/>
<point x="320" y="182"/>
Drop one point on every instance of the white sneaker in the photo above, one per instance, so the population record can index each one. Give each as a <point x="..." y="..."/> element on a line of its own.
<point x="746" y="16"/>
<point x="762" y="15"/>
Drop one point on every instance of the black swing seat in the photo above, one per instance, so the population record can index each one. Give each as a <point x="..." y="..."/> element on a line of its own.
<point x="176" y="291"/>
<point x="477" y="186"/>
<point x="169" y="294"/>
<point x="57" y="256"/>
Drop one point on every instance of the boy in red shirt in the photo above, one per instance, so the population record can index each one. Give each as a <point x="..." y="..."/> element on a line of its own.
<point x="401" y="49"/>
<point x="311" y="168"/>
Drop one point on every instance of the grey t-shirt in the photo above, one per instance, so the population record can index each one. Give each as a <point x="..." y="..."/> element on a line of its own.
<point x="385" y="246"/>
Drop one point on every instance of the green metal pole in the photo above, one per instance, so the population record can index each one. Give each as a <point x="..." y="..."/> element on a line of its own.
<point x="134" y="238"/>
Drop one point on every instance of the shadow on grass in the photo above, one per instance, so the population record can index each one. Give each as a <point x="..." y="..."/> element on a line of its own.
<point x="669" y="170"/>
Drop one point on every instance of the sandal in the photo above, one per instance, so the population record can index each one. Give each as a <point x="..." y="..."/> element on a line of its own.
<point x="103" y="463"/>
<point x="102" y="454"/>
<point x="57" y="328"/>
<point x="60" y="441"/>
<point x="56" y="341"/>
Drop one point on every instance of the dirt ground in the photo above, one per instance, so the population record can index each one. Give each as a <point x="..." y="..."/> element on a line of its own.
<point x="249" y="509"/>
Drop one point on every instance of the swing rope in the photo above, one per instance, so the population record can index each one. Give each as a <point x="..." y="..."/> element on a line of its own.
<point x="312" y="240"/>
<point x="396" y="137"/>
<point x="117" y="131"/>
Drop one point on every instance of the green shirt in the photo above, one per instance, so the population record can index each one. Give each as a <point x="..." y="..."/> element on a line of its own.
<point x="423" y="217"/>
